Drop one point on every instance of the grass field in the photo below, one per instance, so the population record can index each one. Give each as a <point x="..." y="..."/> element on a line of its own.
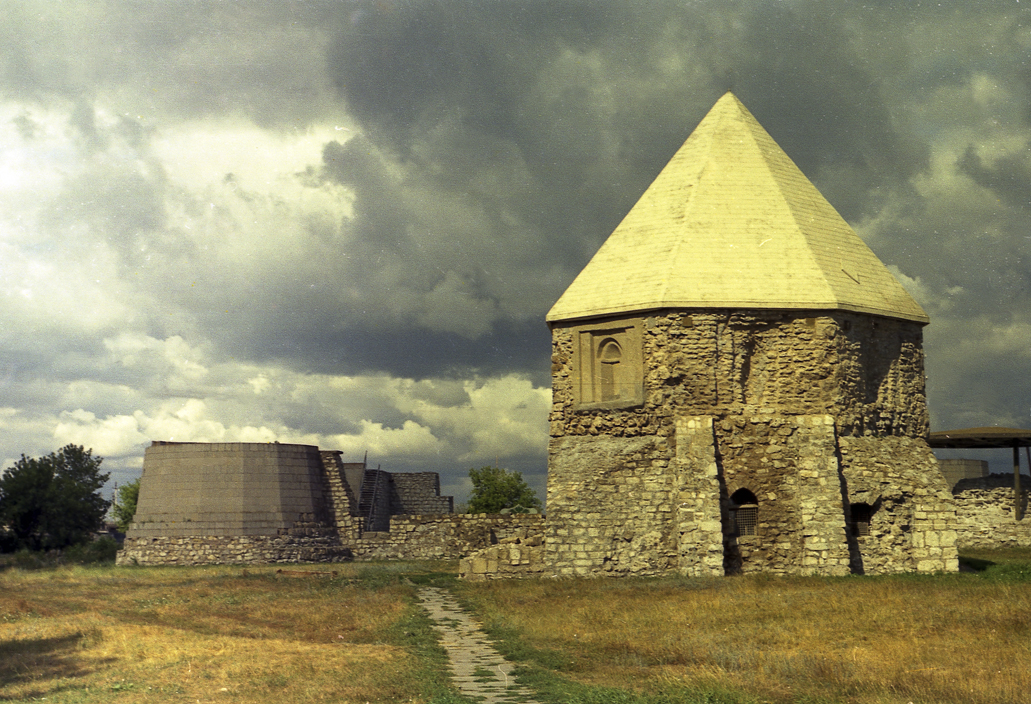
<point x="217" y="634"/>
<point x="232" y="634"/>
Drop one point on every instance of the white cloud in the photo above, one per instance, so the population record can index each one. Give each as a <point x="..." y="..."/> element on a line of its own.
<point x="114" y="436"/>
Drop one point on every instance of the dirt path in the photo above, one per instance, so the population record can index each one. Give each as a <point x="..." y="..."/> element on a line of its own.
<point x="477" y="669"/>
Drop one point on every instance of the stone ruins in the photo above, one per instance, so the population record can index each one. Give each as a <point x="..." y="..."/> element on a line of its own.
<point x="250" y="503"/>
<point x="738" y="386"/>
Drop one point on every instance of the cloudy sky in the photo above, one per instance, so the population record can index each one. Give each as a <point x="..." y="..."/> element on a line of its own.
<point x="342" y="223"/>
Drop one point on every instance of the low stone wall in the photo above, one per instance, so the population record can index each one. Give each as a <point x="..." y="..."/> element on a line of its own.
<point x="517" y="557"/>
<point x="443" y="537"/>
<point x="984" y="512"/>
<point x="231" y="550"/>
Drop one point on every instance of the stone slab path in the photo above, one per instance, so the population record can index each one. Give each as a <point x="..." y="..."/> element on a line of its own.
<point x="477" y="669"/>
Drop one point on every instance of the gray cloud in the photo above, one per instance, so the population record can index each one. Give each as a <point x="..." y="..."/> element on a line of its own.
<point x="463" y="162"/>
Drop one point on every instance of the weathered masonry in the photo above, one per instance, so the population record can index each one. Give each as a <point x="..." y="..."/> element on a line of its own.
<point x="738" y="384"/>
<point x="226" y="503"/>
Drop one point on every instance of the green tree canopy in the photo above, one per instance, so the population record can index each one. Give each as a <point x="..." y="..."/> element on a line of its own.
<point x="496" y="489"/>
<point x="54" y="501"/>
<point x="124" y="507"/>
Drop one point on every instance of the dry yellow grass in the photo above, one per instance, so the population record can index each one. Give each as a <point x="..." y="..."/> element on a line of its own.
<point x="957" y="638"/>
<point x="205" y="634"/>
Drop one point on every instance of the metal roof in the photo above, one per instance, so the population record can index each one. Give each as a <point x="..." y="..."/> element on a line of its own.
<point x="981" y="438"/>
<point x="731" y="222"/>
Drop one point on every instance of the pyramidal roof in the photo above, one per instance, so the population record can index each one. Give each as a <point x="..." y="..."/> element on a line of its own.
<point x="731" y="222"/>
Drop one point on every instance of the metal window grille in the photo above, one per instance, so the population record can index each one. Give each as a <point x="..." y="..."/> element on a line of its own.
<point x="746" y="518"/>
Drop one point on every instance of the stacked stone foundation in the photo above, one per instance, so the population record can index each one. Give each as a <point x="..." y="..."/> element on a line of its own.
<point x="231" y="550"/>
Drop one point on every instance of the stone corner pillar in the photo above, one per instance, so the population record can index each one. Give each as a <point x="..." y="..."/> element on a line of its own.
<point x="699" y="527"/>
<point x="820" y="501"/>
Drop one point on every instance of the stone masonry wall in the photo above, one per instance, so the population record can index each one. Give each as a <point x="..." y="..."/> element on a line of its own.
<point x="231" y="550"/>
<point x="700" y="499"/>
<point x="232" y="489"/>
<point x="790" y="465"/>
<point x="418" y="493"/>
<point x="780" y="390"/>
<point x="342" y="500"/>
<point x="913" y="526"/>
<point x="957" y="469"/>
<point x="864" y="371"/>
<point x="610" y="506"/>
<point x="517" y="556"/>
<point x="984" y="512"/>
<point x="444" y="537"/>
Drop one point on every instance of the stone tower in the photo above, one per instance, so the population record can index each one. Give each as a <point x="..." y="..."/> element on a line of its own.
<point x="738" y="384"/>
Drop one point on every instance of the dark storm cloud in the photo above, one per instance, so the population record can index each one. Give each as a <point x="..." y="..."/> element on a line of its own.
<point x="470" y="158"/>
<point x="188" y="59"/>
<point x="550" y="120"/>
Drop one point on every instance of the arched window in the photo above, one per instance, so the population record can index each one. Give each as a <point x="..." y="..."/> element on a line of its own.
<point x="744" y="512"/>
<point x="608" y="369"/>
<point x="862" y="514"/>
<point x="610" y="354"/>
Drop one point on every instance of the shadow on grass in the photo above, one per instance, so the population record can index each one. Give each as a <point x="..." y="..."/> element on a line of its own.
<point x="973" y="564"/>
<point x="39" y="660"/>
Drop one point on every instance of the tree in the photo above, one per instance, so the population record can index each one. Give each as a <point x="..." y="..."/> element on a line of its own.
<point x="124" y="507"/>
<point x="54" y="501"/>
<point x="496" y="489"/>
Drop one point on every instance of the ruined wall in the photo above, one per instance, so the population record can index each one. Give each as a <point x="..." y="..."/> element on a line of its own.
<point x="518" y="556"/>
<point x="864" y="371"/>
<point x="762" y="400"/>
<point x="446" y="537"/>
<point x="913" y="521"/>
<point x="418" y="493"/>
<point x="984" y="512"/>
<point x="231" y="550"/>
<point x="252" y="503"/>
<point x="341" y="496"/>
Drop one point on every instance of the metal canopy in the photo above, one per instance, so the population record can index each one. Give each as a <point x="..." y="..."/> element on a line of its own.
<point x="981" y="438"/>
<point x="984" y="438"/>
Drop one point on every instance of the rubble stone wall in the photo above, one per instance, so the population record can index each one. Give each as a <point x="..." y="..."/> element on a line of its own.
<point x="984" y="512"/>
<point x="230" y="550"/>
<point x="765" y="401"/>
<point x="518" y="556"/>
<point x="913" y="524"/>
<point x="866" y="372"/>
<point x="445" y="537"/>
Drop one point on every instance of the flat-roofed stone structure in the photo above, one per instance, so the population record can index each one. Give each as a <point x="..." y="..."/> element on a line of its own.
<point x="233" y="502"/>
<point x="738" y="384"/>
<point x="245" y="503"/>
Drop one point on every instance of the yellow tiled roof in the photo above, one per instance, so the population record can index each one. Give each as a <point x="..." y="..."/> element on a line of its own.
<point x="731" y="222"/>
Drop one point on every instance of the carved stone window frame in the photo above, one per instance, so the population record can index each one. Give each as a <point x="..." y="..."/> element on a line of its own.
<point x="590" y="342"/>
